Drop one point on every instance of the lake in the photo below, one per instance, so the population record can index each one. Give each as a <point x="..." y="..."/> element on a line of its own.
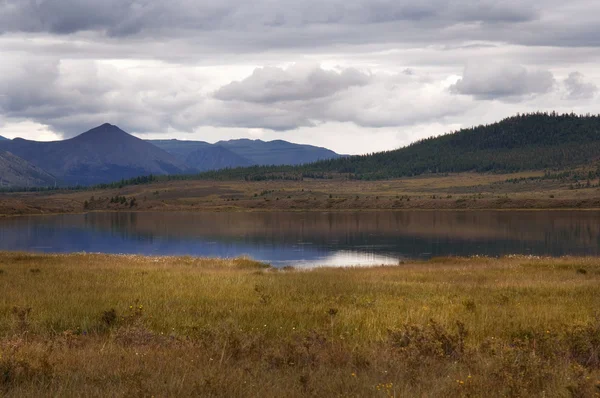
<point x="312" y="238"/>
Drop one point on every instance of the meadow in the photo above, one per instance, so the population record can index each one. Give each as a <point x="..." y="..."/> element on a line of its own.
<point x="524" y="190"/>
<point x="107" y="325"/>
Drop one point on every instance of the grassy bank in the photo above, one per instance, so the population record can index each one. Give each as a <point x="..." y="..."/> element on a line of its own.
<point x="100" y="325"/>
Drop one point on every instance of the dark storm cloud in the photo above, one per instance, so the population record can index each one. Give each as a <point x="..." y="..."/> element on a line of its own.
<point x="247" y="26"/>
<point x="127" y="17"/>
<point x="510" y="82"/>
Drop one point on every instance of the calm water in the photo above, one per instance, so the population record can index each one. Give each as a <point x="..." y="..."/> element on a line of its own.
<point x="311" y="239"/>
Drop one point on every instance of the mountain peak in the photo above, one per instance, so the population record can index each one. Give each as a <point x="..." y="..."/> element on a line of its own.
<point x="104" y="132"/>
<point x="100" y="155"/>
<point x="107" y="126"/>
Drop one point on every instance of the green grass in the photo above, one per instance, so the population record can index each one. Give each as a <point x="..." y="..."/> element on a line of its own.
<point x="102" y="325"/>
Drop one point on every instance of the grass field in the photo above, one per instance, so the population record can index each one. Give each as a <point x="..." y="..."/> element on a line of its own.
<point x="454" y="191"/>
<point x="101" y="325"/>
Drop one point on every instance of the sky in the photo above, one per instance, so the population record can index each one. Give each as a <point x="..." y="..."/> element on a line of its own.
<point x="356" y="76"/>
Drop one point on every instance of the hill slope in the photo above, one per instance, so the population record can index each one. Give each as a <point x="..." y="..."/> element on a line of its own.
<point x="253" y="152"/>
<point x="201" y="155"/>
<point x="528" y="142"/>
<point x="277" y="152"/>
<point x="3" y="139"/>
<point x="179" y="148"/>
<point x="103" y="154"/>
<point x="17" y="172"/>
<point x="215" y="158"/>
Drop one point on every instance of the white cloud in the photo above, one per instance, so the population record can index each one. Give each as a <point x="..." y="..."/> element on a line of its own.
<point x="506" y="81"/>
<point x="286" y="99"/>
<point x="577" y="88"/>
<point x="296" y="83"/>
<point x="28" y="130"/>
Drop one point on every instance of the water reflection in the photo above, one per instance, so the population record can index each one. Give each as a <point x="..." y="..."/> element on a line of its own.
<point x="309" y="239"/>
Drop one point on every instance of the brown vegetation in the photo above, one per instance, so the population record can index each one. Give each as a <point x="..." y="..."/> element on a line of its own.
<point x="460" y="191"/>
<point x="101" y="325"/>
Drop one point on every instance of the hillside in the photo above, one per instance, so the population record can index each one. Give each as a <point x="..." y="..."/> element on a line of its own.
<point x="179" y="148"/>
<point x="215" y="158"/>
<point x="16" y="172"/>
<point x="202" y="156"/>
<point x="103" y="154"/>
<point x="245" y="152"/>
<point x="277" y="152"/>
<point x="525" y="142"/>
<point x="3" y="139"/>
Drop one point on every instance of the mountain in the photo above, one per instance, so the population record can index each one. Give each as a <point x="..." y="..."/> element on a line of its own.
<point x="17" y="172"/>
<point x="244" y="152"/>
<point x="3" y="139"/>
<point x="103" y="154"/>
<point x="277" y="152"/>
<point x="202" y="156"/>
<point x="215" y="158"/>
<point x="179" y="148"/>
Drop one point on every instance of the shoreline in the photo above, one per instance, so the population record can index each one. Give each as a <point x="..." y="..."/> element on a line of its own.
<point x="349" y="210"/>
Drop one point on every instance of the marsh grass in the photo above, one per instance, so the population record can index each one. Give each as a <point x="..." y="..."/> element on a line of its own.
<point x="103" y="325"/>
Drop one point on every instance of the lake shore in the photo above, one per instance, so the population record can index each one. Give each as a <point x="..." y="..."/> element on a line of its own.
<point x="108" y="325"/>
<point x="466" y="191"/>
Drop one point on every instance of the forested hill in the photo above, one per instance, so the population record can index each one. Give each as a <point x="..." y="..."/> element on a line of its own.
<point x="536" y="141"/>
<point x="524" y="142"/>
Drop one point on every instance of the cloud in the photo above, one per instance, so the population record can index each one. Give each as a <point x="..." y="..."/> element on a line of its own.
<point x="287" y="99"/>
<point x="126" y="17"/>
<point x="504" y="82"/>
<point x="366" y="69"/>
<point x="73" y="95"/>
<point x="578" y="88"/>
<point x="243" y="26"/>
<point x="272" y="84"/>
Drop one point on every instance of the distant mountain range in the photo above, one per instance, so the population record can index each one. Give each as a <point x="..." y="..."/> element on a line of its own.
<point x="243" y="152"/>
<point x="538" y="141"/>
<point x="107" y="154"/>
<point x="3" y="139"/>
<point x="215" y="158"/>
<point x="103" y="154"/>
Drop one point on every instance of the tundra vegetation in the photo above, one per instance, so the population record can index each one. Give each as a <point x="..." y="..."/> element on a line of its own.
<point x="525" y="190"/>
<point x="106" y="325"/>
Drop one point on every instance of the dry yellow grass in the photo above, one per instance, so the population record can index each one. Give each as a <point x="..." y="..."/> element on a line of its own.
<point x="103" y="325"/>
